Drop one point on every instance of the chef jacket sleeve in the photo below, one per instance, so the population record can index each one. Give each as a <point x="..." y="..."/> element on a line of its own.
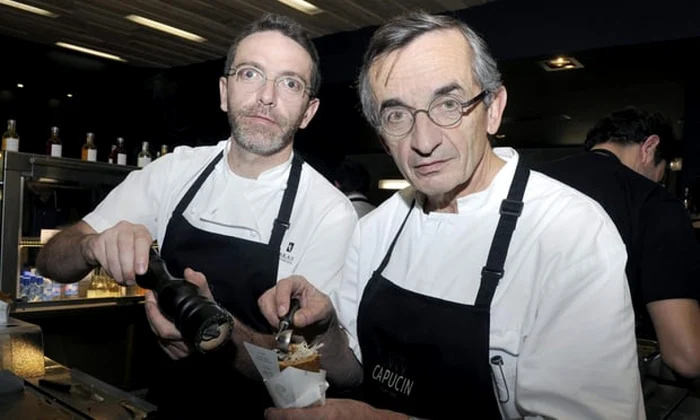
<point x="346" y="298"/>
<point x="322" y="260"/>
<point x="137" y="199"/>
<point x="579" y="359"/>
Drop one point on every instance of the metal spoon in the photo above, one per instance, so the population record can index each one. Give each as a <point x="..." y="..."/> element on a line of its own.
<point x="284" y="332"/>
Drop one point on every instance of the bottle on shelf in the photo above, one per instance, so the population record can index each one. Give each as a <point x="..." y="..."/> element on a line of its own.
<point x="687" y="202"/>
<point x="163" y="149"/>
<point x="112" y="158"/>
<point x="120" y="152"/>
<point x="10" y="139"/>
<point x="54" y="147"/>
<point x="144" y="157"/>
<point x="89" y="152"/>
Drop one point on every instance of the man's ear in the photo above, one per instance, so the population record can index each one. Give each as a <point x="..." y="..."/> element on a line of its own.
<point x="311" y="109"/>
<point x="223" y="93"/>
<point x="648" y="149"/>
<point x="495" y="110"/>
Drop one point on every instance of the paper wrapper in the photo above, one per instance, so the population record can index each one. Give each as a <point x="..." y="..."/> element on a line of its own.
<point x="291" y="388"/>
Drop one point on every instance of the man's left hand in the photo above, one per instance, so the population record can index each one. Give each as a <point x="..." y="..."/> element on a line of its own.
<point x="334" y="409"/>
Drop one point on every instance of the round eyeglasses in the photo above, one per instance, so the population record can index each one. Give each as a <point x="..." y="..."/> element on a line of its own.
<point x="251" y="79"/>
<point x="443" y="111"/>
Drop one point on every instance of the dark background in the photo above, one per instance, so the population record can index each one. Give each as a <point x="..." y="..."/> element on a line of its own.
<point x="634" y="53"/>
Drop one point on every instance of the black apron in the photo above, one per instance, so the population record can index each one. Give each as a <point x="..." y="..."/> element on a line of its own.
<point x="238" y="272"/>
<point x="428" y="357"/>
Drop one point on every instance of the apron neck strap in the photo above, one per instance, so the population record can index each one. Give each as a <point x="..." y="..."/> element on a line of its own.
<point x="511" y="208"/>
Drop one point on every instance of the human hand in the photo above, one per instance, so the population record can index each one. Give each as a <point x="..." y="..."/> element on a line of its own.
<point x="315" y="307"/>
<point x="121" y="250"/>
<point x="169" y="337"/>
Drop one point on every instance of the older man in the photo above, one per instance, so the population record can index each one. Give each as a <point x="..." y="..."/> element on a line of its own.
<point x="484" y="290"/>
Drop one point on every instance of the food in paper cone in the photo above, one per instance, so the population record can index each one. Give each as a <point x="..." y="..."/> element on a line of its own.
<point x="300" y="356"/>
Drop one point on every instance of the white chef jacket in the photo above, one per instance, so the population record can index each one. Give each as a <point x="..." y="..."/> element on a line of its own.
<point x="321" y="222"/>
<point x="561" y="317"/>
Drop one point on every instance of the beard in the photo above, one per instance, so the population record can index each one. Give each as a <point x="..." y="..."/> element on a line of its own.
<point x="262" y="139"/>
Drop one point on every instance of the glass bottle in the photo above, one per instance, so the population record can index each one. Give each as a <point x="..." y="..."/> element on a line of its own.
<point x="10" y="139"/>
<point x="54" y="147"/>
<point x="112" y="158"/>
<point x="163" y="149"/>
<point x="89" y="152"/>
<point x="144" y="155"/>
<point x="120" y="152"/>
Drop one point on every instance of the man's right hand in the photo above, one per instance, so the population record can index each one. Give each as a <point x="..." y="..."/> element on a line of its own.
<point x="121" y="250"/>
<point x="315" y="307"/>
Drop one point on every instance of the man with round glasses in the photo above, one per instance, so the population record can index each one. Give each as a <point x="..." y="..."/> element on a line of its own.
<point x="232" y="218"/>
<point x="484" y="290"/>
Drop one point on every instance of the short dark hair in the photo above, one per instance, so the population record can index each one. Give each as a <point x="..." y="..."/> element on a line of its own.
<point x="352" y="176"/>
<point x="633" y="125"/>
<point x="287" y="27"/>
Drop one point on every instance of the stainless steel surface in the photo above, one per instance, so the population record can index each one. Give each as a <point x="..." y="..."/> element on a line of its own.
<point x="10" y="230"/>
<point x="20" y="169"/>
<point x="284" y="338"/>
<point x="89" y="396"/>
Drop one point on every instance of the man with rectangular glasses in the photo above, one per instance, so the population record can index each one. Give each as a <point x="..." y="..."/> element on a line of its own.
<point x="484" y="290"/>
<point x="232" y="218"/>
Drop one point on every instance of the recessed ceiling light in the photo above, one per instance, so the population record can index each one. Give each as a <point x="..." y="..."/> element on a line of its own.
<point x="90" y="51"/>
<point x="561" y="63"/>
<point x="19" y="85"/>
<point x="28" y="8"/>
<point x="393" y="184"/>
<point x="70" y="95"/>
<point x="165" y="28"/>
<point x="302" y="6"/>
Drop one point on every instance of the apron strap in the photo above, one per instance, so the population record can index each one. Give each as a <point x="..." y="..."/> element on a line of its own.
<point x="281" y="223"/>
<point x="187" y="199"/>
<point x="511" y="208"/>
<point x="387" y="256"/>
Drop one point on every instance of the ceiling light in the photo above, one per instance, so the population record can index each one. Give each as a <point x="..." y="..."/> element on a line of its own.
<point x="28" y="8"/>
<point x="561" y="63"/>
<point x="165" y="28"/>
<point x="393" y="184"/>
<point x="19" y="85"/>
<point x="676" y="164"/>
<point x="90" y="51"/>
<point x="302" y="6"/>
<point x="70" y="95"/>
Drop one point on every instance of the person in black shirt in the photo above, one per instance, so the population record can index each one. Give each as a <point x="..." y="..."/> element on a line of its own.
<point x="625" y="158"/>
<point x="353" y="179"/>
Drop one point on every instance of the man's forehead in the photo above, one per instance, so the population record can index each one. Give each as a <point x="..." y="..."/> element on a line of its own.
<point x="272" y="48"/>
<point x="430" y="61"/>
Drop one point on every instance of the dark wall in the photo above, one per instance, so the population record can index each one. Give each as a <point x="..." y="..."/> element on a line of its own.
<point x="630" y="52"/>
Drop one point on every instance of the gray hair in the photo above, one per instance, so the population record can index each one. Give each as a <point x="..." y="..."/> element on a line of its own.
<point x="404" y="29"/>
<point x="287" y="27"/>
